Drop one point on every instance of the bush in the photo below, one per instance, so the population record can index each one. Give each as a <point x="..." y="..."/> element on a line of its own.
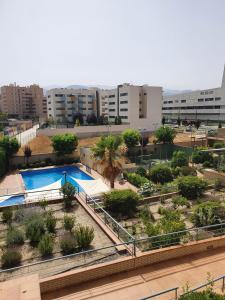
<point x="205" y="295"/>
<point x="122" y="202"/>
<point x="84" y="235"/>
<point x="50" y="223"/>
<point x="46" y="245"/>
<point x="68" y="222"/>
<point x="207" y="164"/>
<point x="199" y="156"/>
<point x="161" y="174"/>
<point x="136" y="179"/>
<point x="68" y="191"/>
<point x="179" y="201"/>
<point x="35" y="228"/>
<point x="218" y="184"/>
<point x="64" y="143"/>
<point x="208" y="213"/>
<point x="147" y="189"/>
<point x="68" y="245"/>
<point x="218" y="145"/>
<point x="191" y="187"/>
<point x="14" y="237"/>
<point x="188" y="171"/>
<point x="165" y="135"/>
<point x="7" y="215"/>
<point x="141" y="171"/>
<point x="10" y="259"/>
<point x="131" y="137"/>
<point x="179" y="159"/>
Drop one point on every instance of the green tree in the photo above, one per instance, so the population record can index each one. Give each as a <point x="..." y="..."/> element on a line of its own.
<point x="199" y="156"/>
<point x="122" y="202"/>
<point x="131" y="137"/>
<point x="160" y="174"/>
<point x="68" y="191"/>
<point x="107" y="153"/>
<point x="191" y="187"/>
<point x="165" y="135"/>
<point x="64" y="144"/>
<point x="179" y="159"/>
<point x="10" y="146"/>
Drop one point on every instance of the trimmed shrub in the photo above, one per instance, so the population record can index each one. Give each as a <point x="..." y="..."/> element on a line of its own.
<point x="141" y="171"/>
<point x="191" y="187"/>
<point x="188" y="171"/>
<point x="84" y="235"/>
<point x="7" y="215"/>
<point x="68" y="244"/>
<point x="68" y="191"/>
<point x="64" y="143"/>
<point x="131" y="137"/>
<point x="208" y="213"/>
<point x="46" y="245"/>
<point x="199" y="156"/>
<point x="179" y="159"/>
<point x="161" y="174"/>
<point x="218" y="145"/>
<point x="136" y="179"/>
<point x="179" y="201"/>
<point x="122" y="202"/>
<point x="50" y="223"/>
<point x="35" y="228"/>
<point x="68" y="222"/>
<point x="14" y="237"/>
<point x="11" y="259"/>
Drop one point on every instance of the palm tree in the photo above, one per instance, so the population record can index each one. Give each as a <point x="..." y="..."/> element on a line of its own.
<point x="107" y="153"/>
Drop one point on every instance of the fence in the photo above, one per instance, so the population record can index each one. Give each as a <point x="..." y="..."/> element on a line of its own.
<point x="162" y="293"/>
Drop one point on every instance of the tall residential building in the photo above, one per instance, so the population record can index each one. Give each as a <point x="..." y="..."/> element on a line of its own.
<point x="63" y="104"/>
<point x="205" y="105"/>
<point x="137" y="106"/>
<point x="23" y="102"/>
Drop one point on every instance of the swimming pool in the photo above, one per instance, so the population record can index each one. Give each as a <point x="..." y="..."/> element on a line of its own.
<point x="53" y="177"/>
<point x="12" y="200"/>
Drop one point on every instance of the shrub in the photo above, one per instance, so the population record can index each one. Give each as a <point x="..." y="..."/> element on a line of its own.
<point x="205" y="295"/>
<point x="7" y="215"/>
<point x="136" y="179"/>
<point x="35" y="228"/>
<point x="64" y="143"/>
<point x="11" y="259"/>
<point x="165" y="135"/>
<point x="199" y="156"/>
<point x="122" y="202"/>
<point x="68" y="244"/>
<point x="68" y="222"/>
<point x="218" y="145"/>
<point x="131" y="137"/>
<point x="84" y="235"/>
<point x="46" y="245"/>
<point x="68" y="191"/>
<point x="147" y="189"/>
<point x="179" y="201"/>
<point x="161" y="174"/>
<point x="50" y="223"/>
<point x="179" y="159"/>
<point x="43" y="204"/>
<point x="14" y="237"/>
<point x="188" y="171"/>
<point x="207" y="164"/>
<point x="141" y="171"/>
<point x="218" y="184"/>
<point x="208" y="213"/>
<point x="191" y="187"/>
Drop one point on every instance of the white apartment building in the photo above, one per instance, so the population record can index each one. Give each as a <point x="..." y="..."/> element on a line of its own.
<point x="204" y="105"/>
<point x="137" y="106"/>
<point x="63" y="103"/>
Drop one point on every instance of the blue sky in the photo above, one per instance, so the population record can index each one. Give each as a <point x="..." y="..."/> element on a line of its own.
<point x="177" y="44"/>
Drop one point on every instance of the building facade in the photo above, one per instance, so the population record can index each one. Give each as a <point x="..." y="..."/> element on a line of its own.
<point x="23" y="102"/>
<point x="138" y="106"/>
<point x="204" y="105"/>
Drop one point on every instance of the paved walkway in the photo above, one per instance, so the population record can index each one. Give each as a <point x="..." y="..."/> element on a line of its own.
<point x="12" y="183"/>
<point x="146" y="281"/>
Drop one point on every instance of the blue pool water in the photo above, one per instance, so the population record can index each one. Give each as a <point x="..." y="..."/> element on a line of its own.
<point x="13" y="200"/>
<point x="42" y="178"/>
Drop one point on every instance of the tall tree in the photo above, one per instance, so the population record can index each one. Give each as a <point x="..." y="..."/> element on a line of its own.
<point x="107" y="153"/>
<point x="64" y="143"/>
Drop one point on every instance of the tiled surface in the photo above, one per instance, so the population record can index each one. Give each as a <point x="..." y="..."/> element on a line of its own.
<point x="12" y="183"/>
<point x="148" y="280"/>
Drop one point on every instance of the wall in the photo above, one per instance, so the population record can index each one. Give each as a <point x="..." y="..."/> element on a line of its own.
<point x="85" y="131"/>
<point x="76" y="277"/>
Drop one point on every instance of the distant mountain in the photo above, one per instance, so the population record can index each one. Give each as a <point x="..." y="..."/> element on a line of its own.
<point x="168" y="92"/>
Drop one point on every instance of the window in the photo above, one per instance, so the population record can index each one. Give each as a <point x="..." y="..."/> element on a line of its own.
<point x="209" y="99"/>
<point x="90" y="96"/>
<point x="176" y="101"/>
<point x="112" y="109"/>
<point x="112" y="117"/>
<point x="145" y="94"/>
<point x="89" y="102"/>
<point x="58" y="102"/>
<point x="49" y="108"/>
<point x="58" y="95"/>
<point x="123" y="102"/>
<point x="201" y="100"/>
<point x="183" y="101"/>
<point x="218" y="98"/>
<point x="123" y="94"/>
<point x="111" y="96"/>
<point x="49" y="96"/>
<point x="124" y="117"/>
<point x="49" y="102"/>
<point x="111" y="103"/>
<point x="123" y="109"/>
<point x="170" y="102"/>
<point x="165" y="102"/>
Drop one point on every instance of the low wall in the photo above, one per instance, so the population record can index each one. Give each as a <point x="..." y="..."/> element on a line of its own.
<point x="83" y="275"/>
<point x="213" y="175"/>
<point x="151" y="199"/>
<point x="85" y="131"/>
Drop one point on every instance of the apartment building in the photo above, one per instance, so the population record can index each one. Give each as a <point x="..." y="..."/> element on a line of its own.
<point x="63" y="104"/>
<point x="23" y="102"/>
<point x="138" y="106"/>
<point x="204" y="105"/>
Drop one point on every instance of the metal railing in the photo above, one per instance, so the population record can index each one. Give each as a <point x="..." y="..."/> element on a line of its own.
<point x="175" y="290"/>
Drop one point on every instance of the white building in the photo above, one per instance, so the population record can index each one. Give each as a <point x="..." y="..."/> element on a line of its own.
<point x="205" y="105"/>
<point x="137" y="106"/>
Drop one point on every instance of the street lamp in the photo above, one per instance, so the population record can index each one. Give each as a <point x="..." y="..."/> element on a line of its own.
<point x="65" y="176"/>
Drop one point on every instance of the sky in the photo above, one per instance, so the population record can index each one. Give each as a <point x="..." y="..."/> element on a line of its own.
<point x="177" y="44"/>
